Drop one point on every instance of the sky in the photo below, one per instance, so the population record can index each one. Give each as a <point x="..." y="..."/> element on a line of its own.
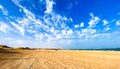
<point x="68" y="24"/>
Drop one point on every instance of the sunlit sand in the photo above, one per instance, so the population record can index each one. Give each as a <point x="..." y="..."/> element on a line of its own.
<point x="59" y="59"/>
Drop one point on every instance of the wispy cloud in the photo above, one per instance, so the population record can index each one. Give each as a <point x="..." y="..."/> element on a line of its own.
<point x="93" y="21"/>
<point x="76" y="26"/>
<point x="118" y="23"/>
<point x="105" y="22"/>
<point x="79" y="25"/>
<point x="52" y="28"/>
<point x="88" y="31"/>
<point x="5" y="12"/>
<point x="4" y="27"/>
<point x="19" y="28"/>
<point x="49" y="6"/>
<point x="39" y="36"/>
<point x="107" y="28"/>
<point x="51" y="23"/>
<point x="82" y="24"/>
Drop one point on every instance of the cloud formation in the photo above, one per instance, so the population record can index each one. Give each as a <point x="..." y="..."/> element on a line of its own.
<point x="19" y="28"/>
<point x="93" y="21"/>
<point x="82" y="24"/>
<point x="53" y="28"/>
<point x="49" y="6"/>
<point x="105" y="22"/>
<point x="118" y="23"/>
<point x="5" y="12"/>
<point x="4" y="27"/>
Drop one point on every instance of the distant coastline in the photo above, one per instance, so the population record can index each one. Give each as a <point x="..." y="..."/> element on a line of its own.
<point x="27" y="48"/>
<point x="102" y="49"/>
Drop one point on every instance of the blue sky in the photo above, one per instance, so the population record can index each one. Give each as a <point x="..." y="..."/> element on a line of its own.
<point x="67" y="24"/>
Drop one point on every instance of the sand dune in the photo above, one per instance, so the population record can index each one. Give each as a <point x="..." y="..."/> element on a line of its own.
<point x="61" y="59"/>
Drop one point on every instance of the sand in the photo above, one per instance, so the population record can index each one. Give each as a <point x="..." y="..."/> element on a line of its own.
<point x="61" y="59"/>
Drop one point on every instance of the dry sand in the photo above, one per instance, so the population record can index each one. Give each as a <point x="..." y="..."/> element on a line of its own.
<point x="61" y="59"/>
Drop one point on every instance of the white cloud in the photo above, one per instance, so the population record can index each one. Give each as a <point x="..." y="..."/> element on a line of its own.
<point x="63" y="32"/>
<point x="100" y="36"/>
<point x="23" y="21"/>
<point x="71" y="19"/>
<point x="70" y="32"/>
<point x="29" y="21"/>
<point x="31" y="31"/>
<point x="5" y="12"/>
<point x="15" y="42"/>
<point x="105" y="22"/>
<point x="76" y="26"/>
<point x="53" y="27"/>
<point x="79" y="25"/>
<point x="82" y="24"/>
<point x="29" y="15"/>
<point x="118" y="23"/>
<point x="46" y="22"/>
<point x="20" y="10"/>
<point x="107" y="28"/>
<point x="92" y="15"/>
<point x="16" y="2"/>
<point x="20" y="42"/>
<point x="89" y="31"/>
<point x="58" y="36"/>
<point x="39" y="36"/>
<point x="94" y="20"/>
<point x="49" y="6"/>
<point x="19" y="28"/>
<point x="1" y="7"/>
<point x="4" y="27"/>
